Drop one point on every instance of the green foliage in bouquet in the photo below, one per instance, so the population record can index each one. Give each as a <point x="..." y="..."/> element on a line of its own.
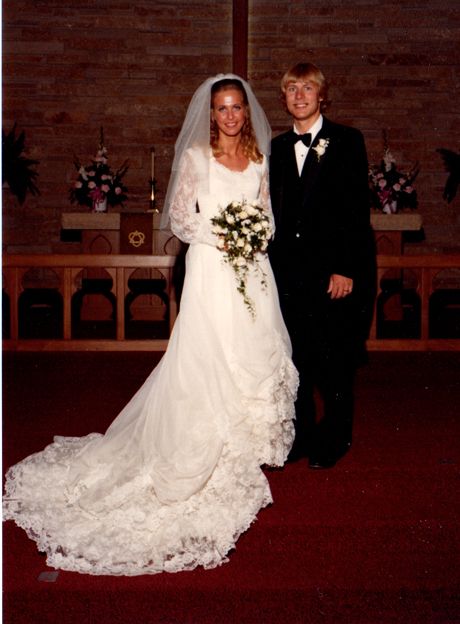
<point x="243" y="230"/>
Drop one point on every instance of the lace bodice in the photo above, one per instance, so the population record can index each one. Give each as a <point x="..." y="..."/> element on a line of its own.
<point x="197" y="198"/>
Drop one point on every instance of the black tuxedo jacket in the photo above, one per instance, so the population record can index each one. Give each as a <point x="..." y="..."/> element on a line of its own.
<point x="321" y="217"/>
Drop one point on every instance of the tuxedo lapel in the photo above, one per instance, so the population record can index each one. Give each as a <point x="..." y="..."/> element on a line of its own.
<point x="289" y="159"/>
<point x="314" y="161"/>
<point x="288" y="182"/>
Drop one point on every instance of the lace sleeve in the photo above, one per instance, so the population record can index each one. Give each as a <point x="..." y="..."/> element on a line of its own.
<point x="264" y="196"/>
<point x="186" y="223"/>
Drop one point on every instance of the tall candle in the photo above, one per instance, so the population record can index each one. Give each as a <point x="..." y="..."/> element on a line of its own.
<point x="152" y="160"/>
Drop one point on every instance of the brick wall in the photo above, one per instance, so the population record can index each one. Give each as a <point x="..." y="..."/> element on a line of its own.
<point x="70" y="67"/>
<point x="392" y="65"/>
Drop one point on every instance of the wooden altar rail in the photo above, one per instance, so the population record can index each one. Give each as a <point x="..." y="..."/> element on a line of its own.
<point x="120" y="267"/>
<point x="425" y="268"/>
<point x="67" y="267"/>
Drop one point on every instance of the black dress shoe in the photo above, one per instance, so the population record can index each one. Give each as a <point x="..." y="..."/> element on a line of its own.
<point x="321" y="463"/>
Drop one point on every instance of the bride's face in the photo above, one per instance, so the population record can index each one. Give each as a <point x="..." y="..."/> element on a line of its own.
<point x="229" y="112"/>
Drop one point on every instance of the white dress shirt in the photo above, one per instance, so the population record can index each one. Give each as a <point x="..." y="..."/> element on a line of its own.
<point x="301" y="150"/>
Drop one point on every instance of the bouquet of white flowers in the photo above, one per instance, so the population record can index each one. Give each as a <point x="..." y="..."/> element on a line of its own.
<point x="243" y="230"/>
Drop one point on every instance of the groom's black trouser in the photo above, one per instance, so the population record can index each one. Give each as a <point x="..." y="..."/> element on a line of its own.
<point x="324" y="347"/>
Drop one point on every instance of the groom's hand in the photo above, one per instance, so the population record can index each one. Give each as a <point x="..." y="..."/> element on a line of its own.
<point x="339" y="286"/>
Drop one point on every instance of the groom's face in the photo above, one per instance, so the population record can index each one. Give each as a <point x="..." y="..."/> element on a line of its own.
<point x="303" y="100"/>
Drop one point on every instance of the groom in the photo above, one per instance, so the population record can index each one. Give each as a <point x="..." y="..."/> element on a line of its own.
<point x="323" y="261"/>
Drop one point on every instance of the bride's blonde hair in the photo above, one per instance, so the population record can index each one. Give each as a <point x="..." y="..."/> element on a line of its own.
<point x="248" y="138"/>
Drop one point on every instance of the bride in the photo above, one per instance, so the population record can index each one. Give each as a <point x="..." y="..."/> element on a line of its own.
<point x="177" y="476"/>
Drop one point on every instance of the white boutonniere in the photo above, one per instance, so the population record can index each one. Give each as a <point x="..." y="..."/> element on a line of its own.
<point x="320" y="149"/>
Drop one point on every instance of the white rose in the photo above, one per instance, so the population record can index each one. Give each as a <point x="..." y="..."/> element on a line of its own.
<point x="256" y="227"/>
<point x="240" y="242"/>
<point x="220" y="243"/>
<point x="240" y="261"/>
<point x="230" y="218"/>
<point x="243" y="214"/>
<point x="251" y="211"/>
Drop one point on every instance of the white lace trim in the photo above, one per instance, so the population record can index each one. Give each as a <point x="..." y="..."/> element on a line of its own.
<point x="133" y="533"/>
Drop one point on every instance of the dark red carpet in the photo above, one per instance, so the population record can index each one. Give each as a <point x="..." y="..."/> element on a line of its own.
<point x="374" y="540"/>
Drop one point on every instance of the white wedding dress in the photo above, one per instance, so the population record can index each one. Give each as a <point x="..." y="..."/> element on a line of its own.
<point x="177" y="476"/>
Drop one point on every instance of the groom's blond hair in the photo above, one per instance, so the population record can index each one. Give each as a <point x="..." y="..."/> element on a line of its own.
<point x="304" y="72"/>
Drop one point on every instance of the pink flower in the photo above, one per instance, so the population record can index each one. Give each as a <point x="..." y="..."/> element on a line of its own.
<point x="78" y="184"/>
<point x="105" y="188"/>
<point x="91" y="185"/>
<point x="382" y="183"/>
<point x="117" y="190"/>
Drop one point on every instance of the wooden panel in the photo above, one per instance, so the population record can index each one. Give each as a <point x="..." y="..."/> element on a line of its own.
<point x="69" y="266"/>
<point x="121" y="266"/>
<point x="136" y="233"/>
<point x="240" y="38"/>
<point x="85" y="345"/>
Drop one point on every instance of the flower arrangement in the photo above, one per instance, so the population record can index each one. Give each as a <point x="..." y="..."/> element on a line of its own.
<point x="243" y="230"/>
<point x="321" y="148"/>
<point x="392" y="190"/>
<point x="97" y="182"/>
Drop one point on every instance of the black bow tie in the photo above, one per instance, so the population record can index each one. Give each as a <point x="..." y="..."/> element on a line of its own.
<point x="305" y="138"/>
